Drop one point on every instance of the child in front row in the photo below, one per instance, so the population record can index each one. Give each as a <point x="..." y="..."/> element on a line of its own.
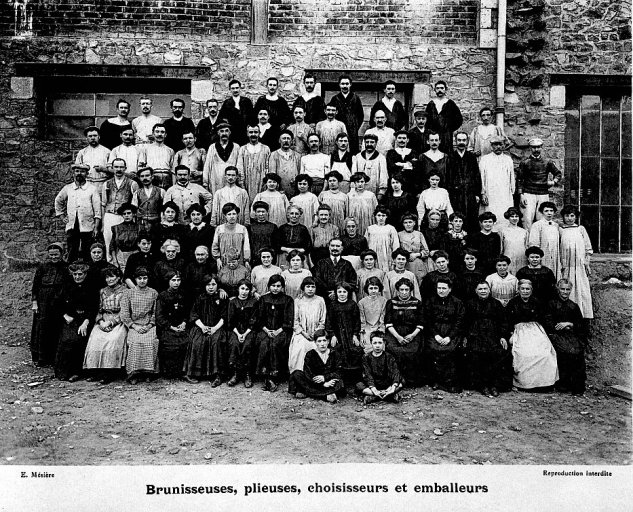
<point x="321" y="376"/>
<point x="381" y="377"/>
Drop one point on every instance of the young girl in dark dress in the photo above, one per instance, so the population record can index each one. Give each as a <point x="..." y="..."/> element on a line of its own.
<point x="206" y="354"/>
<point x="144" y="257"/>
<point x="404" y="321"/>
<point x="171" y="327"/>
<point x="197" y="232"/>
<point x="468" y="277"/>
<point x="321" y="376"/>
<point x="397" y="201"/>
<point x="275" y="317"/>
<point x="456" y="240"/>
<point x="343" y="326"/>
<point x="241" y="320"/>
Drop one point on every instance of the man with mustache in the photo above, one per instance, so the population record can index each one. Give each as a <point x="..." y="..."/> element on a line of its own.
<point x="111" y="128"/>
<point x="350" y="110"/>
<point x="79" y="206"/>
<point x="285" y="162"/>
<point x="95" y="156"/>
<point x="222" y="154"/>
<point x="144" y="124"/>
<point x="207" y="129"/>
<point x="252" y="162"/>
<point x="148" y="199"/>
<point x="159" y="157"/>
<point x="237" y="110"/>
<point x="312" y="103"/>
<point x="444" y="116"/>
<point x="177" y="125"/>
<point x="185" y="194"/>
<point x="126" y="151"/>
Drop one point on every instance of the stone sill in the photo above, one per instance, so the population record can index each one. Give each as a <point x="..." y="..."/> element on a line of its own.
<point x="611" y="257"/>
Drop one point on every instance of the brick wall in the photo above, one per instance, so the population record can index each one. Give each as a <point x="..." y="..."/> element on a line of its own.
<point x="413" y="21"/>
<point x="208" y="18"/>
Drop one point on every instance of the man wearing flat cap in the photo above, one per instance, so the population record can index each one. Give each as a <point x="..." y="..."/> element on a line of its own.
<point x="220" y="155"/>
<point x="418" y="135"/>
<point x="79" y="206"/>
<point x="534" y="178"/>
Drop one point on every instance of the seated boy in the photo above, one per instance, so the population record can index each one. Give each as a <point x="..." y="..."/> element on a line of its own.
<point x="321" y="374"/>
<point x="381" y="377"/>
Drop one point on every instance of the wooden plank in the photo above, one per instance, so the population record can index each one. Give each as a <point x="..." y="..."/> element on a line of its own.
<point x="620" y="391"/>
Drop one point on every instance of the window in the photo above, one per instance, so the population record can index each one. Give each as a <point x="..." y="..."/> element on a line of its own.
<point x="71" y="104"/>
<point x="598" y="164"/>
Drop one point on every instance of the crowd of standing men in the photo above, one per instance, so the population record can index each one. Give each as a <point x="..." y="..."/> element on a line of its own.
<point x="244" y="237"/>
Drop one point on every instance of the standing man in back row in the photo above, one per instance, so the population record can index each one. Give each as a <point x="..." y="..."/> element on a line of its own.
<point x="237" y="110"/>
<point x="350" y="111"/>
<point x="177" y="125"/>
<point x="396" y="116"/>
<point x="278" y="110"/>
<point x="444" y="116"/>
<point x="144" y="124"/>
<point x="312" y="103"/>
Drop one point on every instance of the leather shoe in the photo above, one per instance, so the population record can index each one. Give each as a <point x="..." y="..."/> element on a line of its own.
<point x="74" y="378"/>
<point x="494" y="392"/>
<point x="232" y="381"/>
<point x="216" y="382"/>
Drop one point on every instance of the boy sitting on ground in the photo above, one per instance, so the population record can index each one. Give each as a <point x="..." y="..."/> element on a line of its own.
<point x="381" y="377"/>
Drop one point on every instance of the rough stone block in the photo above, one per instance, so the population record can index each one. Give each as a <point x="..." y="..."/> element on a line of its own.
<point x="421" y="94"/>
<point x="201" y="90"/>
<point x="22" y="87"/>
<point x="487" y="38"/>
<point x="557" y="96"/>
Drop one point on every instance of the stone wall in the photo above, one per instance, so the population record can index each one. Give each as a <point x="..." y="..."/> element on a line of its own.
<point x="558" y="36"/>
<point x="544" y="37"/>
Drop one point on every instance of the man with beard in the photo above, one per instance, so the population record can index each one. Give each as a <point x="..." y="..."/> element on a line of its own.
<point x="95" y="156"/>
<point x="177" y="125"/>
<point x="237" y="110"/>
<point x="396" y="117"/>
<point x="418" y="135"/>
<point x="444" y="116"/>
<point x="252" y="162"/>
<point x="79" y="206"/>
<point x="159" y="157"/>
<point x="207" y="129"/>
<point x="350" y="111"/>
<point x="127" y="151"/>
<point x="373" y="164"/>
<point x="148" y="199"/>
<point x="328" y="272"/>
<point x="192" y="157"/>
<point x="144" y="124"/>
<point x="312" y="103"/>
<point x="463" y="182"/>
<point x="285" y="162"/>
<point x="277" y="107"/>
<point x="222" y="153"/>
<point x="116" y="192"/>
<point x="185" y="194"/>
<point x="386" y="135"/>
<point x="111" y="128"/>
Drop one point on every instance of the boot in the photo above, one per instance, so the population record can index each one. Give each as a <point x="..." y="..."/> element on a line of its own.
<point x="232" y="381"/>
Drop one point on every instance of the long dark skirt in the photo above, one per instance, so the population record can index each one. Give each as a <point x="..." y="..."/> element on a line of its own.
<point x="490" y="369"/>
<point x="572" y="372"/>
<point x="172" y="351"/>
<point x="442" y="367"/>
<point x="47" y="325"/>
<point x="69" y="359"/>
<point x="240" y="354"/>
<point x="408" y="359"/>
<point x="206" y="355"/>
<point x="272" y="360"/>
<point x="300" y="383"/>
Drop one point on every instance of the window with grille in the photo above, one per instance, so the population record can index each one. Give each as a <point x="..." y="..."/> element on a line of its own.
<point x="598" y="164"/>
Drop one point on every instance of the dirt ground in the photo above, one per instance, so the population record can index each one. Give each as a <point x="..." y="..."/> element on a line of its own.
<point x="44" y="421"/>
